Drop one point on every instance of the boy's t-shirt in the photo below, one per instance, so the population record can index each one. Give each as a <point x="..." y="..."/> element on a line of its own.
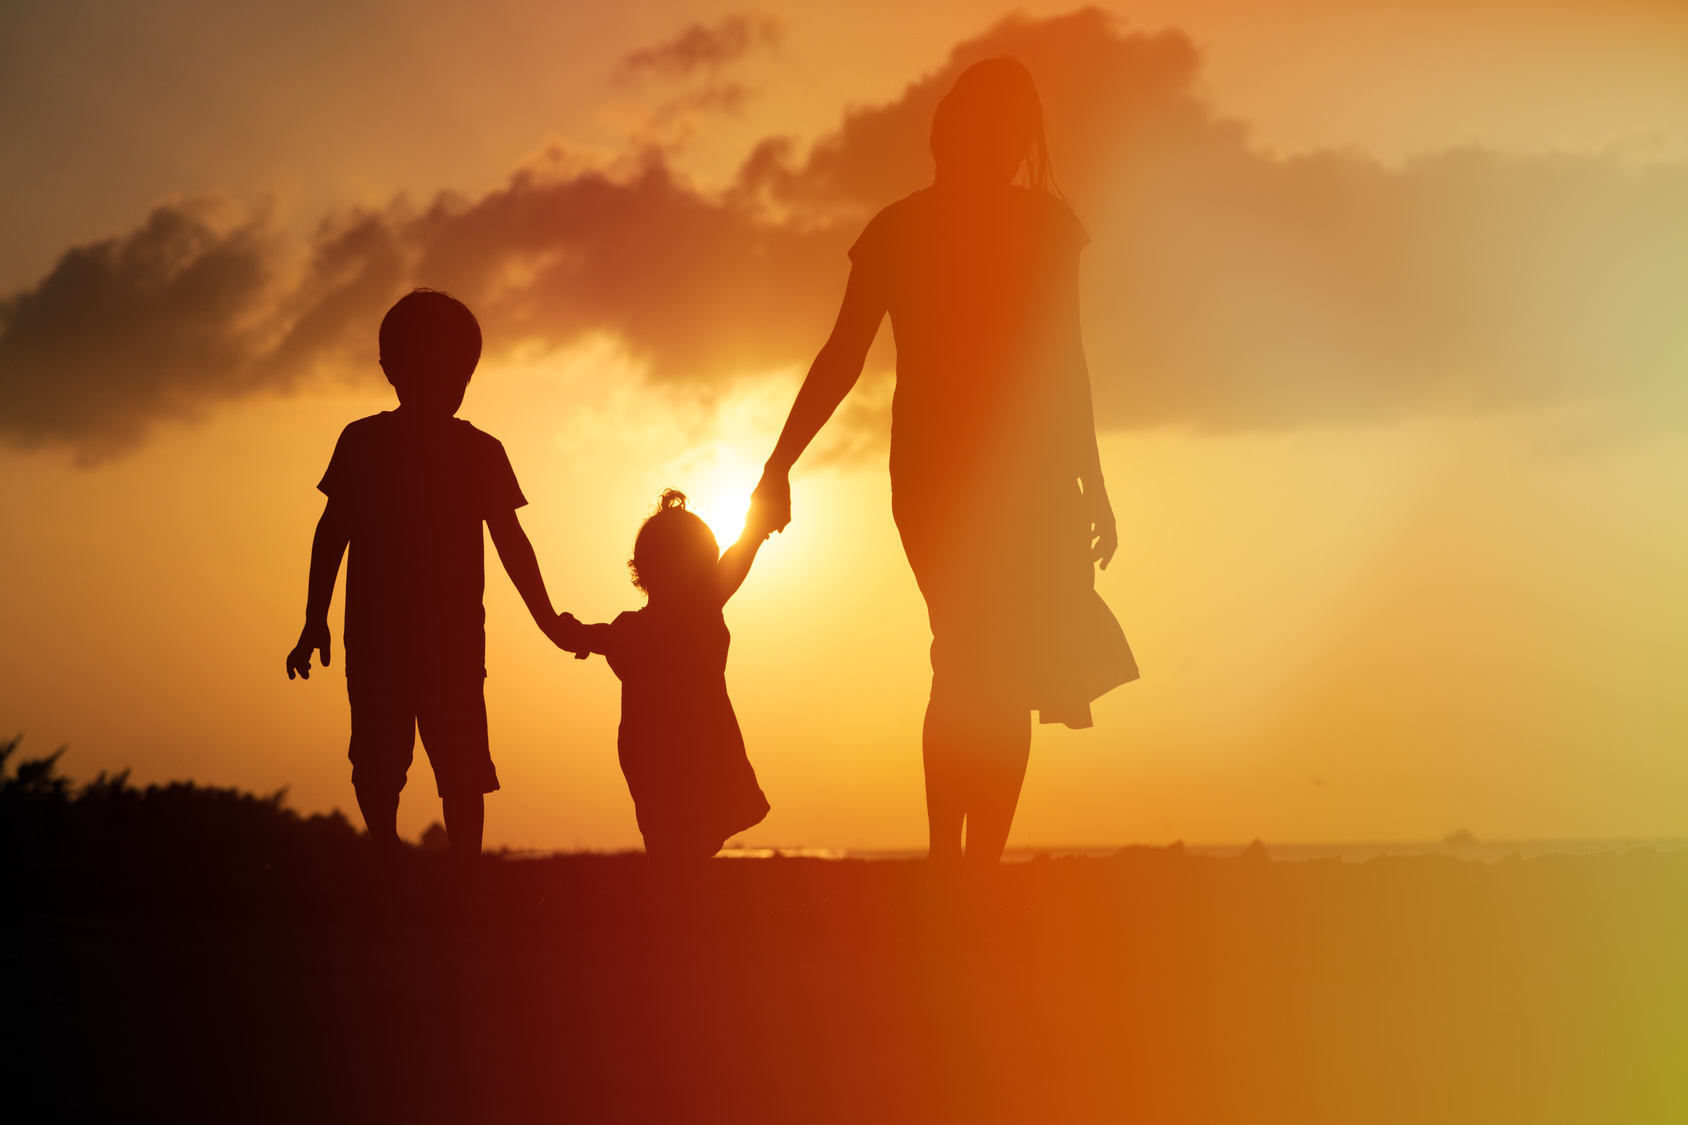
<point x="416" y="490"/>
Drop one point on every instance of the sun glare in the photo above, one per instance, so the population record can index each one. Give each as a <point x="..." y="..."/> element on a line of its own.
<point x="717" y="479"/>
<point x="724" y="514"/>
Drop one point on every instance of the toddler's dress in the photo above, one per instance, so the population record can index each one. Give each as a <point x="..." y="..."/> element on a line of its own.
<point x="680" y="746"/>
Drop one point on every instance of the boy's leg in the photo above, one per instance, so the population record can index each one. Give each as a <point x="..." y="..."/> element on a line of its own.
<point x="452" y="719"/>
<point x="465" y="820"/>
<point x="380" y="818"/>
<point x="383" y="742"/>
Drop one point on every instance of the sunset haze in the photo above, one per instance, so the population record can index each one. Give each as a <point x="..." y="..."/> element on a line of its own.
<point x="1386" y="312"/>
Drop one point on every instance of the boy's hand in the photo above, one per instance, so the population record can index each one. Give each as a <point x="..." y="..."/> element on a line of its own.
<point x="313" y="637"/>
<point x="566" y="635"/>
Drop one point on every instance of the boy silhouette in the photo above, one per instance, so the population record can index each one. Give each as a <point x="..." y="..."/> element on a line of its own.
<point x="408" y="490"/>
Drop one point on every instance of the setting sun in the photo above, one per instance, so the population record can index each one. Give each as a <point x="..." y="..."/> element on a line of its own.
<point x="718" y="476"/>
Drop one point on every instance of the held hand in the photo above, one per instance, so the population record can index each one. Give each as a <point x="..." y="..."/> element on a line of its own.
<point x="770" y="504"/>
<point x="313" y="637"/>
<point x="566" y="635"/>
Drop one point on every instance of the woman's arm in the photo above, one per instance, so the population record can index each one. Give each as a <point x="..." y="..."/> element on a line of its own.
<point x="830" y="378"/>
<point x="1104" y="533"/>
<point x="1103" y="530"/>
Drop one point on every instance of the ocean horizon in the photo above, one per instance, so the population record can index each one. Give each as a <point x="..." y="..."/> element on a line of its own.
<point x="1459" y="845"/>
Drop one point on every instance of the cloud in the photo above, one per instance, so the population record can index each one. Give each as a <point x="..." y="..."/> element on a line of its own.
<point x="155" y="324"/>
<point x="703" y="47"/>
<point x="1241" y="291"/>
<point x="1226" y="287"/>
<point x="693" y="69"/>
<point x="196" y="307"/>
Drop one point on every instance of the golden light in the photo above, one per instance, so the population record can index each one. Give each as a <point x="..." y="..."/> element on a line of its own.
<point x="725" y="517"/>
<point x="717" y="479"/>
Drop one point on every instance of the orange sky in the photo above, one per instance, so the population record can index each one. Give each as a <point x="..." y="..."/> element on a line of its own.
<point x="1388" y="573"/>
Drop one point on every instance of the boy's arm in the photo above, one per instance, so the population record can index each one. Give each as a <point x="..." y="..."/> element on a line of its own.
<point x="734" y="565"/>
<point x="522" y="565"/>
<point x="328" y="547"/>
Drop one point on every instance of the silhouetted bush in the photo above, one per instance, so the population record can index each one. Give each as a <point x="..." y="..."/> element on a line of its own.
<point x="168" y="847"/>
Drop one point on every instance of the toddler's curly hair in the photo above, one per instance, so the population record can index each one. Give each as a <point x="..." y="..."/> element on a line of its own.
<point x="672" y="541"/>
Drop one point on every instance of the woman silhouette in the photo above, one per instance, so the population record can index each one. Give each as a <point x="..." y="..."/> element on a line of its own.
<point x="996" y="485"/>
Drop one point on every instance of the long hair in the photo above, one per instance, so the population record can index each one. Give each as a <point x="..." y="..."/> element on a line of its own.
<point x="995" y="103"/>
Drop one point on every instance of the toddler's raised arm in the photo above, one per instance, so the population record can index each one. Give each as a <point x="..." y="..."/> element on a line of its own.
<point x="734" y="565"/>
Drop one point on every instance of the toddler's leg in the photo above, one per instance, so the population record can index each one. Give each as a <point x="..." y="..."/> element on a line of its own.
<point x="681" y="846"/>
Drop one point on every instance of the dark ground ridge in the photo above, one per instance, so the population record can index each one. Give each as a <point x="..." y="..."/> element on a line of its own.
<point x="190" y="954"/>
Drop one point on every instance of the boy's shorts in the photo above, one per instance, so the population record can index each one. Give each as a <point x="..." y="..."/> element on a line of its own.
<point x="452" y="718"/>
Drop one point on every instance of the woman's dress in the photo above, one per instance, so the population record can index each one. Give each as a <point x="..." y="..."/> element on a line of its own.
<point x="991" y="428"/>
<point x="680" y="745"/>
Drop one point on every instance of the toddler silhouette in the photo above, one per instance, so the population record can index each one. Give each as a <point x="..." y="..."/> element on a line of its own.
<point x="679" y="743"/>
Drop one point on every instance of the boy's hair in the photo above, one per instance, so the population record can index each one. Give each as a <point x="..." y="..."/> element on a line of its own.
<point x="669" y="539"/>
<point x="432" y="334"/>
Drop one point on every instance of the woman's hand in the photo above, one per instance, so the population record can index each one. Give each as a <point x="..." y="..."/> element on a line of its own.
<point x="1104" y="535"/>
<point x="770" y="504"/>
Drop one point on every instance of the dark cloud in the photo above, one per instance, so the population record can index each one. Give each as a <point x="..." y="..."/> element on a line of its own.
<point x="1225" y="287"/>
<point x="152" y="325"/>
<point x="702" y="288"/>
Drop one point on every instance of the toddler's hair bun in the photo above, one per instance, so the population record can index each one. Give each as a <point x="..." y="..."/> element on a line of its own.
<point x="672" y="535"/>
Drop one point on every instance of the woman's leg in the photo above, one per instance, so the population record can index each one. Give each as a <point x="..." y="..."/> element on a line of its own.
<point x="999" y="769"/>
<point x="945" y="757"/>
<point x="975" y="752"/>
